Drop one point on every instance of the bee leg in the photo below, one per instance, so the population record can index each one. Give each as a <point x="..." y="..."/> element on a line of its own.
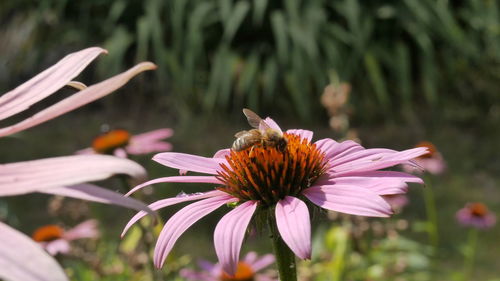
<point x="251" y="154"/>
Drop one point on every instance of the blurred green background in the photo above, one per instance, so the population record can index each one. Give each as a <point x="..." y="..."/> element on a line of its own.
<point x="419" y="70"/>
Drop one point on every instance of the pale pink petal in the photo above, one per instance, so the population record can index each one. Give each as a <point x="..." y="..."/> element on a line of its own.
<point x="23" y="259"/>
<point x="434" y="165"/>
<point x="222" y="153"/>
<point x="57" y="246"/>
<point x="90" y="192"/>
<point x="37" y="175"/>
<point x="191" y="179"/>
<point x="250" y="257"/>
<point x="273" y="125"/>
<point x="190" y="162"/>
<point x="152" y="136"/>
<point x="150" y="142"/>
<point x="334" y="150"/>
<point x="86" y="229"/>
<point x="361" y="156"/>
<point x="86" y="151"/>
<point x="381" y="182"/>
<point x="79" y="99"/>
<point x="376" y="161"/>
<point x="294" y="225"/>
<point x="262" y="262"/>
<point x="120" y="152"/>
<point x="47" y="82"/>
<point x="229" y="234"/>
<point x="181" y="221"/>
<point x="305" y="134"/>
<point x="172" y="201"/>
<point x="192" y="275"/>
<point x="349" y="200"/>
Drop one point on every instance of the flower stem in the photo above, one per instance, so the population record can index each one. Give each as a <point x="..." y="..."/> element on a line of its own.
<point x="432" y="219"/>
<point x="285" y="258"/>
<point x="470" y="253"/>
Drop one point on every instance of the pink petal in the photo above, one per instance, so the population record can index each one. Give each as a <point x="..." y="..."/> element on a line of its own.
<point x="172" y="201"/>
<point x="152" y="136"/>
<point x="262" y="262"/>
<point x="349" y="200"/>
<point x="98" y="194"/>
<point x="23" y="259"/>
<point x="376" y="161"/>
<point x="305" y="134"/>
<point x="381" y="182"/>
<point x="294" y="225"/>
<point x="37" y="175"/>
<point x="120" y="152"/>
<point x="181" y="221"/>
<point x="47" y="82"/>
<point x="57" y="246"/>
<point x="222" y="153"/>
<point x="189" y="162"/>
<point x="150" y="142"/>
<point x="191" y="179"/>
<point x="229" y="234"/>
<point x="273" y="125"/>
<point x="79" y="99"/>
<point x="334" y="150"/>
<point x="86" y="229"/>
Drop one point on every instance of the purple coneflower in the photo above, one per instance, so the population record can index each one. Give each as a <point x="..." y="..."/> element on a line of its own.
<point x="55" y="239"/>
<point x="476" y="215"/>
<point x="120" y="142"/>
<point x="432" y="162"/>
<point x="279" y="183"/>
<point x="246" y="270"/>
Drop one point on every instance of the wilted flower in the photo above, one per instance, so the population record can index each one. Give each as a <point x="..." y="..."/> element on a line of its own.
<point x="246" y="270"/>
<point x="476" y="215"/>
<point x="342" y="177"/>
<point x="55" y="239"/>
<point x="120" y="143"/>
<point x="432" y="162"/>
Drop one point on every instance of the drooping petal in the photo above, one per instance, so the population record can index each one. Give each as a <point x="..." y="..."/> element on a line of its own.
<point x="189" y="162"/>
<point x="98" y="194"/>
<point x="86" y="229"/>
<point x="381" y="182"/>
<point x="302" y="133"/>
<point x="294" y="225"/>
<point x="79" y="99"/>
<point x="47" y="82"/>
<point x="229" y="234"/>
<point x="181" y="221"/>
<point x="23" y="259"/>
<point x="349" y="200"/>
<point x="171" y="201"/>
<point x="262" y="262"/>
<point x="191" y="179"/>
<point x="377" y="161"/>
<point x="37" y="175"/>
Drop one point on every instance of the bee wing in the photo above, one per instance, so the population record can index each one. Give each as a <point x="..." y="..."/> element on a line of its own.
<point x="253" y="119"/>
<point x="240" y="134"/>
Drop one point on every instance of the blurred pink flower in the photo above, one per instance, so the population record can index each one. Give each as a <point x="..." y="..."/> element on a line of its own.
<point x="246" y="270"/>
<point x="343" y="177"/>
<point x="476" y="215"/>
<point x="120" y="143"/>
<point x="432" y="162"/>
<point x="56" y="240"/>
<point x="397" y="201"/>
<point x="58" y="175"/>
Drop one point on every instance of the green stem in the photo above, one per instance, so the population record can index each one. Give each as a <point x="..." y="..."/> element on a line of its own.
<point x="432" y="219"/>
<point x="470" y="253"/>
<point x="285" y="258"/>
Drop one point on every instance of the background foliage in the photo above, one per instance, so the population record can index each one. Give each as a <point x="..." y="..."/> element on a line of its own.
<point x="225" y="54"/>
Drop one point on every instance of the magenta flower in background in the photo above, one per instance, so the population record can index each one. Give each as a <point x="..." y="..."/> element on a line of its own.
<point x="343" y="177"/>
<point x="431" y="162"/>
<point x="476" y="215"/>
<point x="57" y="175"/>
<point x="246" y="270"/>
<point x="56" y="240"/>
<point x="120" y="143"/>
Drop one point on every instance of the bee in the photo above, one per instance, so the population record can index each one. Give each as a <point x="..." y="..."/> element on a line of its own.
<point x="261" y="135"/>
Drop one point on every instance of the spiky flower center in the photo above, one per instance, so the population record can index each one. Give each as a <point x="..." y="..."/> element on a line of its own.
<point x="268" y="174"/>
<point x="244" y="272"/>
<point x="47" y="233"/>
<point x="108" y="142"/>
<point x="478" y="209"/>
